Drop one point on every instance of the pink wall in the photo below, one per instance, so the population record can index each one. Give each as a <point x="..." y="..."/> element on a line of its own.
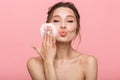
<point x="19" y="31"/>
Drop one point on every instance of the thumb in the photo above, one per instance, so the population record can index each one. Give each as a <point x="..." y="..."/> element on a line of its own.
<point x="39" y="51"/>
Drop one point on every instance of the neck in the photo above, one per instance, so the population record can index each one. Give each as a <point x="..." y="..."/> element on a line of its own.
<point x="64" y="50"/>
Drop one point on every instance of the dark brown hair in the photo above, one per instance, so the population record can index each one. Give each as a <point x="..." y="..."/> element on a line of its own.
<point x="68" y="5"/>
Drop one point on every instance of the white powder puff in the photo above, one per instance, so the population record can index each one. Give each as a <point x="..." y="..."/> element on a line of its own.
<point x="45" y="25"/>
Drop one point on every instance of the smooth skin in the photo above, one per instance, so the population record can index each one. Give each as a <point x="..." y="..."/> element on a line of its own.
<point x="58" y="60"/>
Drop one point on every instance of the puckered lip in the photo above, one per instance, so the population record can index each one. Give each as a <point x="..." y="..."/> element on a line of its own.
<point x="63" y="33"/>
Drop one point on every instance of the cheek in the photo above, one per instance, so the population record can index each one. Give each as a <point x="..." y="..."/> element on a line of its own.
<point x="72" y="33"/>
<point x="57" y="25"/>
<point x="72" y="28"/>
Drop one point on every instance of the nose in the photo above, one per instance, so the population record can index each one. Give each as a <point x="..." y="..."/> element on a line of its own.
<point x="63" y="26"/>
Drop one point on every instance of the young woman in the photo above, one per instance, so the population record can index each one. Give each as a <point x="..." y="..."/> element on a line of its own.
<point x="58" y="60"/>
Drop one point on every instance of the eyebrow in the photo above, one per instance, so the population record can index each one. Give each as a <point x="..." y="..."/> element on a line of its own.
<point x="66" y="16"/>
<point x="70" y="16"/>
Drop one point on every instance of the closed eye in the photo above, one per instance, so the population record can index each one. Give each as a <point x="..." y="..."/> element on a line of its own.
<point x="70" y="21"/>
<point x="55" y="20"/>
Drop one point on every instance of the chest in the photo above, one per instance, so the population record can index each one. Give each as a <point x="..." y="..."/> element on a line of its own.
<point x="69" y="72"/>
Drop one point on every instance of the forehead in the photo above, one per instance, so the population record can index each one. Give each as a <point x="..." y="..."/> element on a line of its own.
<point x="63" y="11"/>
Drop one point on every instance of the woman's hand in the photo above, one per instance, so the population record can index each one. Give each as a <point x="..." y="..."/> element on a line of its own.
<point x="48" y="50"/>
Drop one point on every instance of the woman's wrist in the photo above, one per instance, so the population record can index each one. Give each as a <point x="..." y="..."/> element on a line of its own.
<point x="48" y="62"/>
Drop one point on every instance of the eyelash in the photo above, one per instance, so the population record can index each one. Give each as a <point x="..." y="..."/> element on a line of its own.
<point x="55" y="20"/>
<point x="70" y="21"/>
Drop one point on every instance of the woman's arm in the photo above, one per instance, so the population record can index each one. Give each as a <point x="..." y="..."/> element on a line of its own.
<point x="41" y="70"/>
<point x="91" y="68"/>
<point x="50" y="73"/>
<point x="48" y="53"/>
<point x="35" y="68"/>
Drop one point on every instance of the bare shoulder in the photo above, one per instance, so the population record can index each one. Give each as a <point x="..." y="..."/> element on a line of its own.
<point x="34" y="61"/>
<point x="87" y="59"/>
<point x="35" y="68"/>
<point x="90" y="66"/>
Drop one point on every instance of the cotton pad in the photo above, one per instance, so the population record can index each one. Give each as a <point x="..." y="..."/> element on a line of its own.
<point x="44" y="27"/>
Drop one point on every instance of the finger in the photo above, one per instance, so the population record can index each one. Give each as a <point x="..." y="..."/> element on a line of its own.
<point x="48" y="36"/>
<point x="39" y="51"/>
<point x="54" y="42"/>
<point x="36" y="49"/>
<point x="42" y="53"/>
<point x="51" y="38"/>
<point x="44" y="38"/>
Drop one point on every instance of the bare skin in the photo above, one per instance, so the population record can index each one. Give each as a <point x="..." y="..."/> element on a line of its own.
<point x="81" y="67"/>
<point x="58" y="60"/>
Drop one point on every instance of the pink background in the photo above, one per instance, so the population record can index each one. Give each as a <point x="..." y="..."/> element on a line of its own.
<point x="19" y="31"/>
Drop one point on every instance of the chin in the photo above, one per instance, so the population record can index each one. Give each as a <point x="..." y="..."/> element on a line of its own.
<point x="64" y="40"/>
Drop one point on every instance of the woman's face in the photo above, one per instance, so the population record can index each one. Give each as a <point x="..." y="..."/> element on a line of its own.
<point x="65" y="21"/>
